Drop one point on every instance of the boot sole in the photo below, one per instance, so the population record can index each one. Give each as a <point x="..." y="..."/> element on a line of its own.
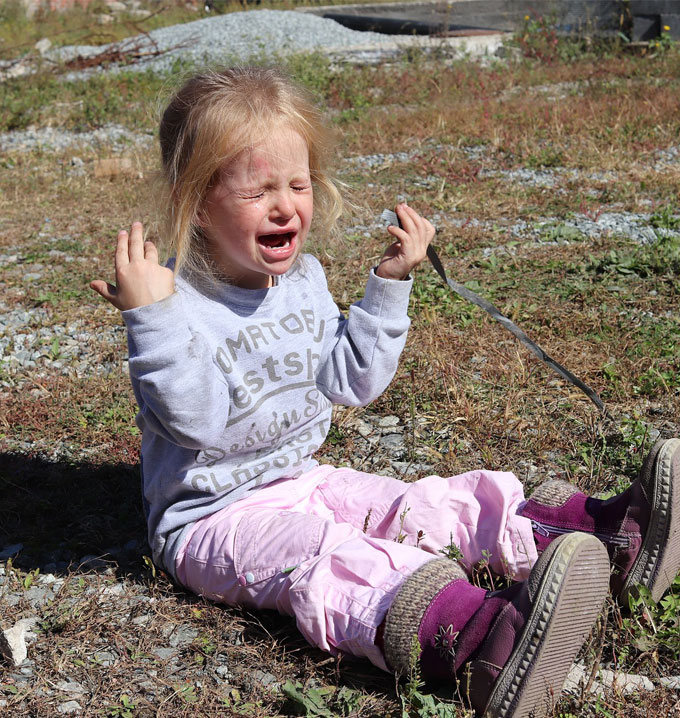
<point x="658" y="561"/>
<point x="572" y="578"/>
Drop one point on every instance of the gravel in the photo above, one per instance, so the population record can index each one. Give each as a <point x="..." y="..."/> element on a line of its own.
<point x="112" y="137"/>
<point x="29" y="339"/>
<point x="237" y="37"/>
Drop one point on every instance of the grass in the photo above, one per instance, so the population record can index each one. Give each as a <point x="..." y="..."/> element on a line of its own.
<point x="599" y="119"/>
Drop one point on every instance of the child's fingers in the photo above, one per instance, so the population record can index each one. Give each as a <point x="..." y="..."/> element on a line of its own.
<point x="406" y="217"/>
<point x="150" y="251"/>
<point x="416" y="229"/>
<point x="122" y="249"/>
<point x="136" y="242"/>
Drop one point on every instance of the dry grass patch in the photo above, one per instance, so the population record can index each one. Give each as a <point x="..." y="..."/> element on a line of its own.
<point x="601" y="129"/>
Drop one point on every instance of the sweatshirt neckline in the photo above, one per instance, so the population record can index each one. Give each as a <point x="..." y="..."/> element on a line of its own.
<point x="237" y="296"/>
<point x="246" y="297"/>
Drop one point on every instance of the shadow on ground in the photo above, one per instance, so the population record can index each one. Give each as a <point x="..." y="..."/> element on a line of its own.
<point x="59" y="516"/>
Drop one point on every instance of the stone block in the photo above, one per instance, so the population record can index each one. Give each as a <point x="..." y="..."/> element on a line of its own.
<point x="646" y="27"/>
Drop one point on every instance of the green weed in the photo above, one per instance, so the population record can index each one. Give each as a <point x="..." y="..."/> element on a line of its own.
<point x="667" y="217"/>
<point x="620" y="452"/>
<point x="661" y="258"/>
<point x="322" y="702"/>
<point x="664" y="42"/>
<point x="335" y="435"/>
<point x="432" y="299"/>
<point x="537" y="38"/>
<point x="649" y="628"/>
<point x="452" y="551"/>
<point x="125" y="709"/>
<point x="415" y="703"/>
<point x="310" y="701"/>
<point x="545" y="157"/>
<point x="186" y="692"/>
<point x="655" y="381"/>
<point x="561" y="232"/>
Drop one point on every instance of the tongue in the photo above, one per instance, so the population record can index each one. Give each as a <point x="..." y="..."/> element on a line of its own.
<point x="274" y="240"/>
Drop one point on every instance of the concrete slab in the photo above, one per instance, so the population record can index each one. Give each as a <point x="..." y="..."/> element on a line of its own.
<point x="487" y="44"/>
<point x="474" y="17"/>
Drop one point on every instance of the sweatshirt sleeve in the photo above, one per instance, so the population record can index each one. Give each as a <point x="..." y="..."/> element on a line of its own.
<point x="366" y="346"/>
<point x="181" y="393"/>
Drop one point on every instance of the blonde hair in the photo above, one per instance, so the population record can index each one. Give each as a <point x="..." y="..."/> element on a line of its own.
<point x="211" y="119"/>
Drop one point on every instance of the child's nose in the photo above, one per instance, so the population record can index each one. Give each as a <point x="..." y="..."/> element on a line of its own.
<point x="284" y="207"/>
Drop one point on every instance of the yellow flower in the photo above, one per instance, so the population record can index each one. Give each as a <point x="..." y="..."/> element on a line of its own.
<point x="666" y="28"/>
<point x="526" y="17"/>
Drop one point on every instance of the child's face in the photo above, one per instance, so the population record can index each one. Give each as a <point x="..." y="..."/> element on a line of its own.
<point x="257" y="215"/>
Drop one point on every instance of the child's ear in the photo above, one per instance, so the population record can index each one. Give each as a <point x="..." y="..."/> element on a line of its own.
<point x="201" y="219"/>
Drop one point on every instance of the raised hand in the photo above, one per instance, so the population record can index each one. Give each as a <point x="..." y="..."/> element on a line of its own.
<point x="140" y="279"/>
<point x="410" y="249"/>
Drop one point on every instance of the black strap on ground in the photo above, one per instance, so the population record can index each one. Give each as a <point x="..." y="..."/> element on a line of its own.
<point x="514" y="329"/>
<point x="391" y="218"/>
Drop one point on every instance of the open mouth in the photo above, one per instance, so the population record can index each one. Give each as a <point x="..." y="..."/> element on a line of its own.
<point x="276" y="241"/>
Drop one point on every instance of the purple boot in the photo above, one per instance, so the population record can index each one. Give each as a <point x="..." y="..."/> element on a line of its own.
<point x="640" y="527"/>
<point x="510" y="650"/>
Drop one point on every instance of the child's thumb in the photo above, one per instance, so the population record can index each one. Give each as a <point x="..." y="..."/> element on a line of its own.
<point x="106" y="290"/>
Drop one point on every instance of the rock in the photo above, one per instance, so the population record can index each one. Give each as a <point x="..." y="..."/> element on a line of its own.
<point x="42" y="46"/>
<point x="577" y="679"/>
<point x="507" y="51"/>
<point x="624" y="682"/>
<point x="410" y="468"/>
<point x="105" y="658"/>
<point x="388" y="422"/>
<point x="113" y="167"/>
<point x="117" y="589"/>
<point x="13" y="644"/>
<point x="115" y="6"/>
<point x="10" y="551"/>
<point x="71" y="687"/>
<point x="77" y="167"/>
<point x="672" y="682"/>
<point x="38" y="595"/>
<point x="104" y="19"/>
<point x="16" y="70"/>
<point x="69" y="707"/>
<point x="31" y="7"/>
<point x="223" y="672"/>
<point x="365" y="429"/>
<point x="392" y="441"/>
<point x="164" y="653"/>
<point x="183" y="636"/>
<point x="265" y="679"/>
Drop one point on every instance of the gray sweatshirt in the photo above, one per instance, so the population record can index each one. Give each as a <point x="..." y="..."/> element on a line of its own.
<point x="235" y="386"/>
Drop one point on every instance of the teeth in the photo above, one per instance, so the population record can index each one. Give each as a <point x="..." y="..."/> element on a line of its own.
<point x="282" y="243"/>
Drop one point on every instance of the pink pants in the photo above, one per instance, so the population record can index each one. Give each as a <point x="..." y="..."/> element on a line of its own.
<point x="299" y="546"/>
